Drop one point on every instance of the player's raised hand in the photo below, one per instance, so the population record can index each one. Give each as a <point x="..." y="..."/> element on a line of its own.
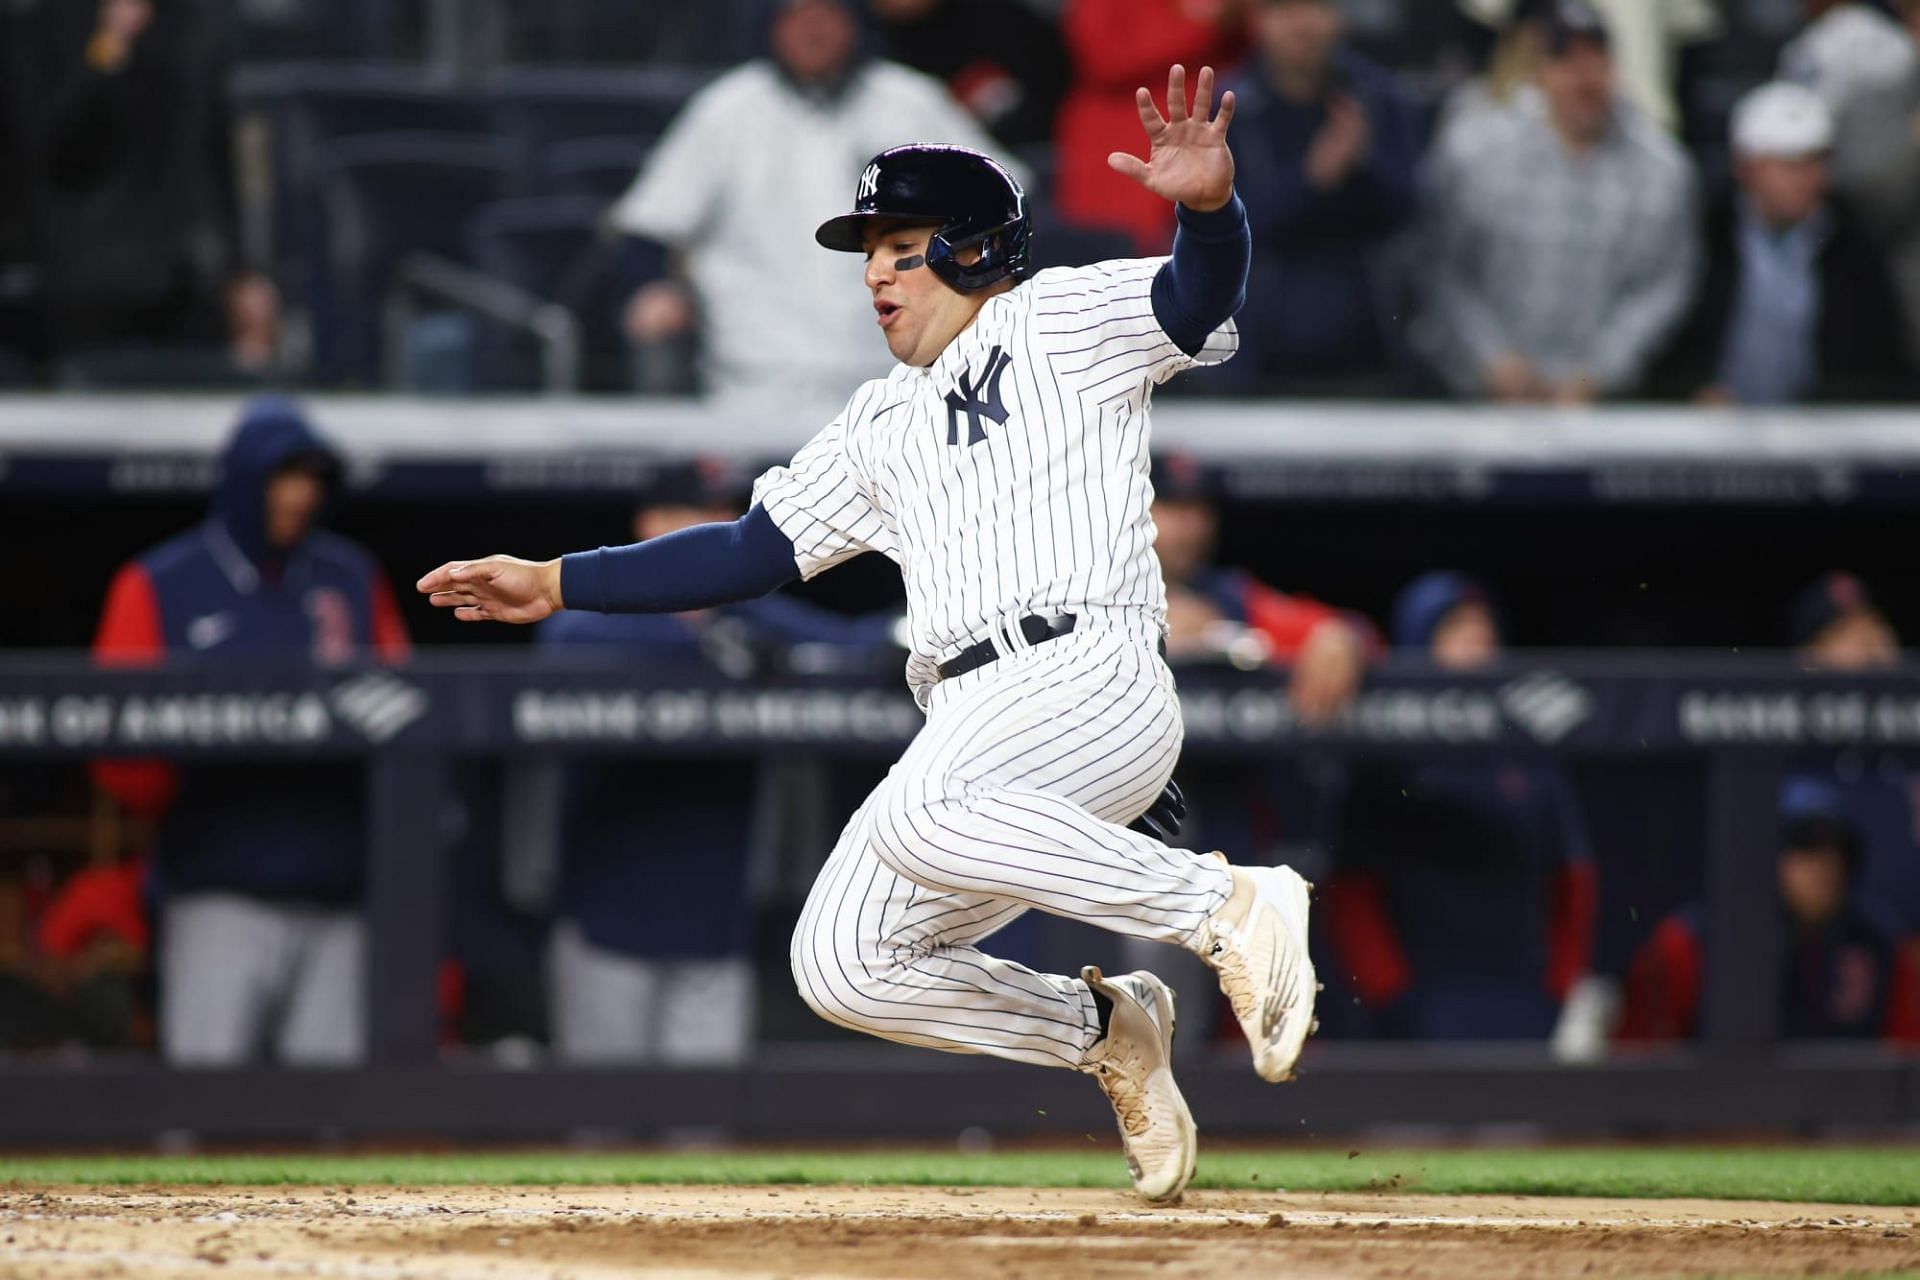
<point x="1188" y="160"/>
<point x="497" y="589"/>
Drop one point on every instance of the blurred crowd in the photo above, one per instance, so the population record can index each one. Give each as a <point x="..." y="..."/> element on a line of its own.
<point x="618" y="909"/>
<point x="1532" y="232"/>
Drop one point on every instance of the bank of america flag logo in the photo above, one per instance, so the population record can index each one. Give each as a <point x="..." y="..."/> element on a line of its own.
<point x="1547" y="705"/>
<point x="378" y="704"/>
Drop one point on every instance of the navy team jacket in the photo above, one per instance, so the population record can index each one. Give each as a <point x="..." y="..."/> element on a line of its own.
<point x="217" y="593"/>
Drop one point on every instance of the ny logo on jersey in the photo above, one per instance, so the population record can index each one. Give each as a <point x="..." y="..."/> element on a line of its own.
<point x="967" y="400"/>
<point x="869" y="182"/>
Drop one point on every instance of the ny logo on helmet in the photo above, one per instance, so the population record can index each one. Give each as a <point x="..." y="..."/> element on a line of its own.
<point x="967" y="400"/>
<point x="869" y="182"/>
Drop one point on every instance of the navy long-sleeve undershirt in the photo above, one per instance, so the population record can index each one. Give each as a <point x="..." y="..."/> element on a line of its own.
<point x="1199" y="289"/>
<point x="1205" y="281"/>
<point x="697" y="568"/>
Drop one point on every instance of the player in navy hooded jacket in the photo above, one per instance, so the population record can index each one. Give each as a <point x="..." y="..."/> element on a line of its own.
<point x="1463" y="898"/>
<point x="650" y="955"/>
<point x="259" y="866"/>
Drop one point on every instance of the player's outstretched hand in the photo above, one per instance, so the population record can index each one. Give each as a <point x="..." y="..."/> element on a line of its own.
<point x="497" y="589"/>
<point x="1188" y="160"/>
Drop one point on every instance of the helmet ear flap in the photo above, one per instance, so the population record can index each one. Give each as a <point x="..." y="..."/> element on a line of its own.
<point x="1002" y="254"/>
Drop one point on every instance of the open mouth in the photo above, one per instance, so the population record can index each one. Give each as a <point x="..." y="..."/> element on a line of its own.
<point x="885" y="312"/>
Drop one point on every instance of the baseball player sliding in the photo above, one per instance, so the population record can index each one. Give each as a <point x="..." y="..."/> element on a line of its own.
<point x="1003" y="466"/>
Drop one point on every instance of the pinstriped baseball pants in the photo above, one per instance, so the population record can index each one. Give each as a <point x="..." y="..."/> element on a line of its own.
<point x="1012" y="797"/>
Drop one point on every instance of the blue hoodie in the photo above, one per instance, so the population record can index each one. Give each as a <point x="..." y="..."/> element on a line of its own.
<point x="219" y="592"/>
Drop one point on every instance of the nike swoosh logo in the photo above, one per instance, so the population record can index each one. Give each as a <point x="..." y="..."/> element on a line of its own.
<point x="209" y="630"/>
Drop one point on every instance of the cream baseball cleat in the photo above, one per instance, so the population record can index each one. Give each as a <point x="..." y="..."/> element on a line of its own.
<point x="1258" y="946"/>
<point x="1133" y="1065"/>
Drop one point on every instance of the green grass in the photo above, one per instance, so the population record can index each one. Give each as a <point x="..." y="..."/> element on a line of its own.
<point x="1882" y="1176"/>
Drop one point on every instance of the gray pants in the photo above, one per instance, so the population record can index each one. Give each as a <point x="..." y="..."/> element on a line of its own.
<point x="609" y="1007"/>
<point x="237" y="973"/>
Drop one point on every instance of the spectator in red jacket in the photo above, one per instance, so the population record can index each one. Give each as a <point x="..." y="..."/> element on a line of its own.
<point x="258" y="866"/>
<point x="94" y="939"/>
<point x="1117" y="47"/>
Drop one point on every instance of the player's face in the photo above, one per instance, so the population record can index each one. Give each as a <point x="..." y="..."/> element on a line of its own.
<point x="1859" y="640"/>
<point x="1579" y="90"/>
<point x="292" y="502"/>
<point x="814" y="40"/>
<point x="1183" y="537"/>
<point x="1466" y="638"/>
<point x="1298" y="36"/>
<point x="1813" y="883"/>
<point x="1785" y="191"/>
<point x="917" y="311"/>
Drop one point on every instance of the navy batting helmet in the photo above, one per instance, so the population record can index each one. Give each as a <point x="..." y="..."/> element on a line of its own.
<point x="970" y="197"/>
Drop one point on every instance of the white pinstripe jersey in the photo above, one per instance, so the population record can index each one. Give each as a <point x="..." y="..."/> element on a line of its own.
<point x="1010" y="476"/>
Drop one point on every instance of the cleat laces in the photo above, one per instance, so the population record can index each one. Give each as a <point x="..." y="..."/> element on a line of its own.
<point x="1122" y="1082"/>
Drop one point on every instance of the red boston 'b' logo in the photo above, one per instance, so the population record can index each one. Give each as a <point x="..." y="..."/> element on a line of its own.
<point x="332" y="619"/>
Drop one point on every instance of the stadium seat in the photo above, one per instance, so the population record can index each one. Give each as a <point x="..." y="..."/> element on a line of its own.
<point x="384" y="196"/>
<point x="600" y="168"/>
<point x="549" y="245"/>
<point x="544" y="107"/>
<point x="666" y="32"/>
<point x="556" y="248"/>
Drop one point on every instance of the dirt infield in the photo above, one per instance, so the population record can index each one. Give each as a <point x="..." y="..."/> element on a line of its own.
<point x="602" y="1233"/>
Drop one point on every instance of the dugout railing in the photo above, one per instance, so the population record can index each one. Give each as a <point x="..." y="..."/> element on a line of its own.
<point x="1746" y="719"/>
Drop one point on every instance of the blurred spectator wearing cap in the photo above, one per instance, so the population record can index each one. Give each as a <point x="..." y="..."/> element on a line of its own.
<point x="128" y="139"/>
<point x="1116" y="48"/>
<point x="1837" y="977"/>
<point x="731" y="195"/>
<point x="1797" y="304"/>
<point x="1836" y="627"/>
<point x="650" y="959"/>
<point x="1648" y="37"/>
<point x="1463" y="896"/>
<point x="1221" y="614"/>
<point x="1562" y="248"/>
<point x="1327" y="146"/>
<point x="1000" y="59"/>
<point x="259" y="866"/>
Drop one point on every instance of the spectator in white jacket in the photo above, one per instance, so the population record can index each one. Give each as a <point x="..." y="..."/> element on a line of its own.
<point x="722" y="213"/>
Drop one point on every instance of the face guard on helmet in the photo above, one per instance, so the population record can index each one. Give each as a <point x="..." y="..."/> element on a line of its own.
<point x="972" y="200"/>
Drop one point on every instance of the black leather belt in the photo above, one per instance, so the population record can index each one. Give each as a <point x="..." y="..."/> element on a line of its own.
<point x="1034" y="628"/>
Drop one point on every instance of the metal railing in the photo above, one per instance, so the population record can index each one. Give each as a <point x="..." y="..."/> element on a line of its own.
<point x="427" y="277"/>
